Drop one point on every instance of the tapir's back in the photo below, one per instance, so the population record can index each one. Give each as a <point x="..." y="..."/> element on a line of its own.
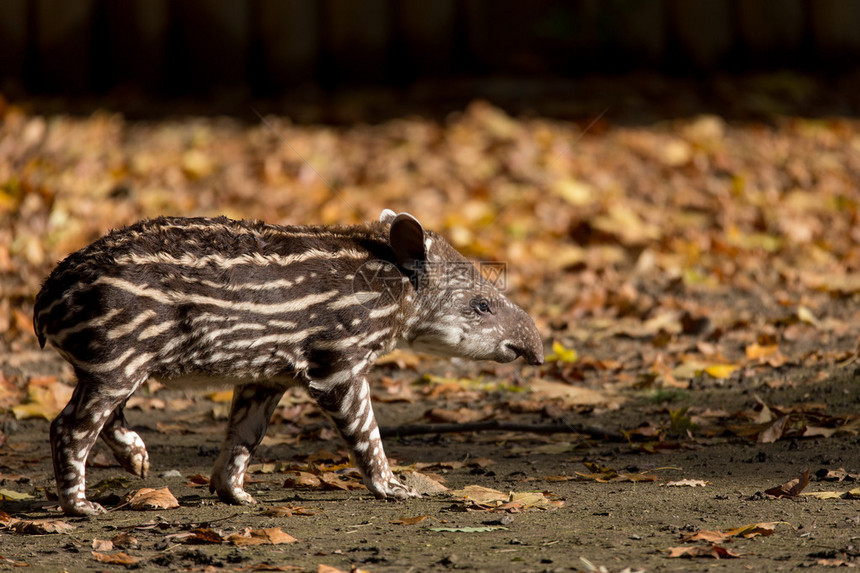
<point x="175" y="296"/>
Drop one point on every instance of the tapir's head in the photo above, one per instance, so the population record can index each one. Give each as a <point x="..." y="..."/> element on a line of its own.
<point x="457" y="312"/>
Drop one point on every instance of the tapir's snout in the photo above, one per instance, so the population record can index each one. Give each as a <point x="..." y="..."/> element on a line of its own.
<point x="530" y="345"/>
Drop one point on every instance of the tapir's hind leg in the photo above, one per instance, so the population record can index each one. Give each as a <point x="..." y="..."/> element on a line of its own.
<point x="75" y="430"/>
<point x="127" y="446"/>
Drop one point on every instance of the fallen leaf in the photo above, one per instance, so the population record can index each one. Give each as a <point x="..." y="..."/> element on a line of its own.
<point x="331" y="480"/>
<point x="202" y="536"/>
<point x="118" y="558"/>
<point x="561" y="354"/>
<point x="269" y="536"/>
<point x="409" y="520"/>
<point x="296" y="479"/>
<point x="324" y="455"/>
<point x="818" y="431"/>
<point x="834" y="563"/>
<point x="118" y="482"/>
<point x="10" y="394"/>
<point x="713" y="551"/>
<point x="46" y="397"/>
<point x="102" y="545"/>
<point x="572" y="396"/>
<point x="147" y="403"/>
<point x="288" y="511"/>
<point x="687" y="483"/>
<point x="11" y="495"/>
<point x="422" y="483"/>
<point x="757" y="351"/>
<point x="705" y="535"/>
<point x="481" y="495"/>
<point x="147" y="498"/>
<point x="403" y="359"/>
<point x="125" y="539"/>
<point x="553" y="448"/>
<point x="838" y="475"/>
<point x="480" y="529"/>
<point x="40" y="526"/>
<point x="751" y="530"/>
<point x="530" y="499"/>
<point x="823" y="494"/>
<point x="460" y="416"/>
<point x="197" y="480"/>
<point x="773" y="431"/>
<point x="487" y="498"/>
<point x="806" y="315"/>
<point x="791" y="488"/>
<point x="221" y="396"/>
<point x="721" y="371"/>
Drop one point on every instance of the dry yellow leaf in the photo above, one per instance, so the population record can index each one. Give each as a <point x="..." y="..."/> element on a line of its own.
<point x="222" y="396"/>
<point x="721" y="371"/>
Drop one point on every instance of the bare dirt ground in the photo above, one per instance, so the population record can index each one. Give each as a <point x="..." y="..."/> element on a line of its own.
<point x="617" y="525"/>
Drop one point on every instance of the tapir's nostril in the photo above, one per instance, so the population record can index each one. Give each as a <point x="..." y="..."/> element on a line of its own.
<point x="535" y="358"/>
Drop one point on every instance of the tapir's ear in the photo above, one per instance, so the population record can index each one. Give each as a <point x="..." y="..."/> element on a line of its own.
<point x="387" y="216"/>
<point x="407" y="241"/>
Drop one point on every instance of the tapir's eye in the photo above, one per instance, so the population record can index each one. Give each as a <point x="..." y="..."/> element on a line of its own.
<point x="481" y="305"/>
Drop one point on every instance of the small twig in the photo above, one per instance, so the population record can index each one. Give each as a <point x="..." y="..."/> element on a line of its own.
<point x="595" y="432"/>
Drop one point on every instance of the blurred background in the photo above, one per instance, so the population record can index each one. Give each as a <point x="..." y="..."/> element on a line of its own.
<point x="330" y="60"/>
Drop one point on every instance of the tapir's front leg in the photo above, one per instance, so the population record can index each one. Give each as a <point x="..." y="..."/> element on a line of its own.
<point x="348" y="404"/>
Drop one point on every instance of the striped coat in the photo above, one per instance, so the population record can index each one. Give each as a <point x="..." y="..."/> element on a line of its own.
<point x="261" y="307"/>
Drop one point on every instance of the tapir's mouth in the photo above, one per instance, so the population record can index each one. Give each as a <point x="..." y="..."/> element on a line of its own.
<point x="512" y="352"/>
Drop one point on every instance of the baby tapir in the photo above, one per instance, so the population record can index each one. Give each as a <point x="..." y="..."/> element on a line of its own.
<point x="260" y="307"/>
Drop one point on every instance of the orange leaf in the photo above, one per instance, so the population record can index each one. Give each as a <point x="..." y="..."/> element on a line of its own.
<point x="409" y="520"/>
<point x="39" y="526"/>
<point x="221" y="397"/>
<point x="203" y="536"/>
<point x="757" y="351"/>
<point x="288" y="511"/>
<point x="45" y="398"/>
<point x="714" y="551"/>
<point x="753" y="530"/>
<point x="268" y="536"/>
<point x="791" y="488"/>
<point x="704" y="535"/>
<point x="102" y="545"/>
<point x="119" y="558"/>
<point x="298" y="479"/>
<point x="150" y="499"/>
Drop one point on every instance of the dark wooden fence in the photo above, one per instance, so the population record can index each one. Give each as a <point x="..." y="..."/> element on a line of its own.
<point x="268" y="46"/>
